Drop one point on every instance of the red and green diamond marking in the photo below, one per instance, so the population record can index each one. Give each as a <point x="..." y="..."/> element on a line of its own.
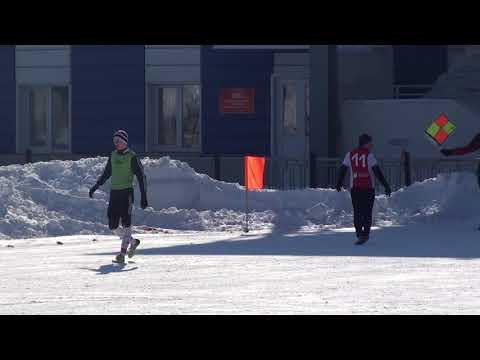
<point x="440" y="129"/>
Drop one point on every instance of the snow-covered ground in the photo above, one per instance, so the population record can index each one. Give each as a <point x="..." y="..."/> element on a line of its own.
<point x="424" y="255"/>
<point x="403" y="270"/>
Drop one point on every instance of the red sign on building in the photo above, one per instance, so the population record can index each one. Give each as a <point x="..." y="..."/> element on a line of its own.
<point x="237" y="101"/>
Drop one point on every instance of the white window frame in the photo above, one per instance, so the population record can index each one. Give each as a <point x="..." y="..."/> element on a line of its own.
<point x="151" y="123"/>
<point x="22" y="139"/>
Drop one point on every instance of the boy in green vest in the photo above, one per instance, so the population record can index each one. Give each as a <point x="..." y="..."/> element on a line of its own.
<point x="122" y="165"/>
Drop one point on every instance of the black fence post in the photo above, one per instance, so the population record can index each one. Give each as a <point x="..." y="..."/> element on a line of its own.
<point x="216" y="165"/>
<point x="313" y="171"/>
<point x="407" y="167"/>
<point x="28" y="156"/>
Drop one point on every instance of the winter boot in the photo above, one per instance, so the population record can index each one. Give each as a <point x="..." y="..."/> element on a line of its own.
<point x="133" y="246"/>
<point x="120" y="259"/>
<point x="362" y="240"/>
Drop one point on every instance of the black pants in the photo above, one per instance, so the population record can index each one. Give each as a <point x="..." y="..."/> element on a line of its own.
<point x="120" y="208"/>
<point x="362" y="201"/>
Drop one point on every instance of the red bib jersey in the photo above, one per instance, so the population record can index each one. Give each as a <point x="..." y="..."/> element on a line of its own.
<point x="360" y="161"/>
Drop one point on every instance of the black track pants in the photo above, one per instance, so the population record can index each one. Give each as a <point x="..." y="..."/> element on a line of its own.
<point x="362" y="201"/>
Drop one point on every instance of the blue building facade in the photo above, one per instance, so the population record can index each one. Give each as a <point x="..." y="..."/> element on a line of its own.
<point x="7" y="99"/>
<point x="236" y="133"/>
<point x="108" y="93"/>
<point x="209" y="100"/>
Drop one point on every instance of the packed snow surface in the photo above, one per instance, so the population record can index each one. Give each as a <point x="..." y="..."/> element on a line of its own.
<point x="414" y="269"/>
<point x="56" y="250"/>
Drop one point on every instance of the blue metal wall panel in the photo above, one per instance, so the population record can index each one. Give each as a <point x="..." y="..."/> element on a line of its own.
<point x="108" y="93"/>
<point x="7" y="99"/>
<point x="236" y="134"/>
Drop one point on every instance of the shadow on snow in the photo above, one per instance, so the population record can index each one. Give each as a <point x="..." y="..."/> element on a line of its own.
<point x="110" y="268"/>
<point x="397" y="241"/>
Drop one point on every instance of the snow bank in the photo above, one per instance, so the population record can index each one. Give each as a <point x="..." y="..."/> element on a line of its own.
<point x="51" y="199"/>
<point x="448" y="197"/>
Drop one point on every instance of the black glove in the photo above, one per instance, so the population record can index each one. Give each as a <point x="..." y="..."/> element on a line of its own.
<point x="446" y="152"/>
<point x="388" y="191"/>
<point x="338" y="187"/>
<point x="92" y="190"/>
<point x="143" y="202"/>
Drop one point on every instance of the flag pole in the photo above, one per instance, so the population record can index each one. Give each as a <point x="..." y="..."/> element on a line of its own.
<point x="254" y="167"/>
<point x="246" y="209"/>
<point x="246" y="192"/>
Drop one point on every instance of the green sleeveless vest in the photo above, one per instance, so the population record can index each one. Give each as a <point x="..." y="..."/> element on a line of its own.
<point x="122" y="174"/>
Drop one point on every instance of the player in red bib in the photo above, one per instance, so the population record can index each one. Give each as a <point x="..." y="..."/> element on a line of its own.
<point x="363" y="170"/>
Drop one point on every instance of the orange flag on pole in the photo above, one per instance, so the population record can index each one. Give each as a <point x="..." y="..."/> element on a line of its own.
<point x="254" y="172"/>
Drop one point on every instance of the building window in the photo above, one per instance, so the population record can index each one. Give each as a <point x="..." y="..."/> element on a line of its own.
<point x="289" y="102"/>
<point x="44" y="116"/>
<point x="38" y="117"/>
<point x="191" y="116"/>
<point x="60" y="118"/>
<point x="167" y="116"/>
<point x="176" y="117"/>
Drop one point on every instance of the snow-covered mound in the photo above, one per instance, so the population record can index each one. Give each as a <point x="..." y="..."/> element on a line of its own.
<point x="448" y="197"/>
<point x="51" y="199"/>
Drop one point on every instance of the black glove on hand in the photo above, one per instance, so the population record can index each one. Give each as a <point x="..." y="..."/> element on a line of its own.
<point x="388" y="191"/>
<point x="92" y="190"/>
<point x="143" y="202"/>
<point x="338" y="187"/>
<point x="446" y="152"/>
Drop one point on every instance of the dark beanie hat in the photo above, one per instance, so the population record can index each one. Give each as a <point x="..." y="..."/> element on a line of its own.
<point x="364" y="139"/>
<point x="122" y="134"/>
